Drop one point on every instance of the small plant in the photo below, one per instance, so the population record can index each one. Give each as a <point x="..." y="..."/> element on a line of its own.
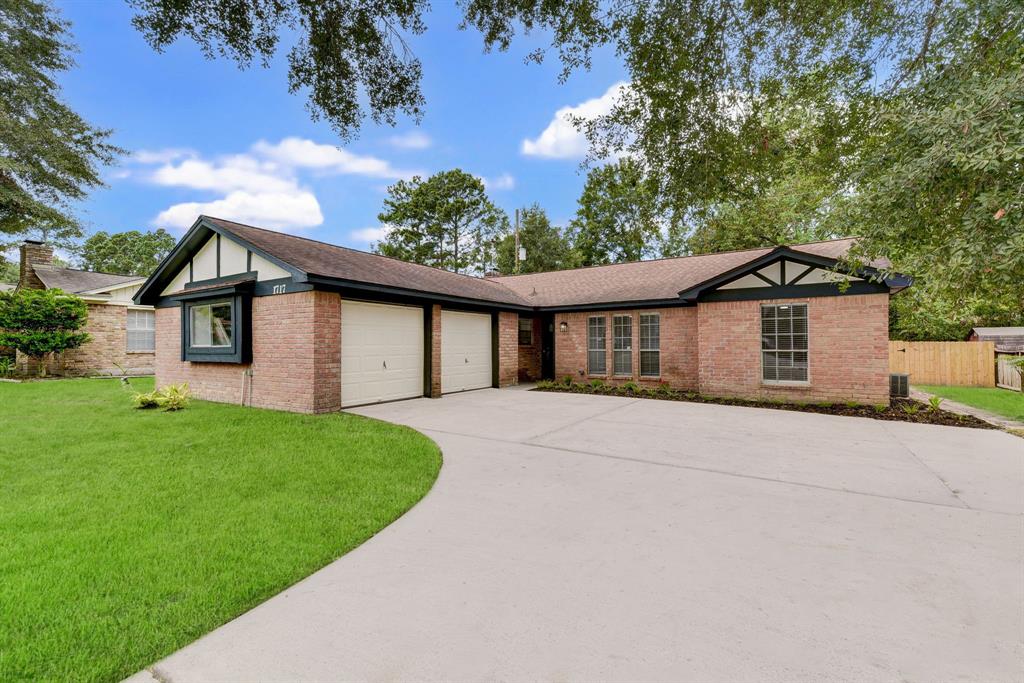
<point x="631" y="387"/>
<point x="567" y="380"/>
<point x="911" y="408"/>
<point x="545" y="384"/>
<point x="933" y="403"/>
<point x="825" y="404"/>
<point x="170" y="398"/>
<point x="853" y="405"/>
<point x="880" y="407"/>
<point x="7" y="366"/>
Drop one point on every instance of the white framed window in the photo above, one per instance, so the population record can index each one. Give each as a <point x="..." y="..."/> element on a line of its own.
<point x="210" y="325"/>
<point x="525" y="331"/>
<point x="784" y="338"/>
<point x="650" y="344"/>
<point x="622" y="345"/>
<point x="597" y="359"/>
<point x="141" y="331"/>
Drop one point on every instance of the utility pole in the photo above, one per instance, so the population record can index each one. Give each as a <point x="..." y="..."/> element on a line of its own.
<point x="517" y="241"/>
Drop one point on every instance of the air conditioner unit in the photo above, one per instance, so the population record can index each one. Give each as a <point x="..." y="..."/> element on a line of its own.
<point x="899" y="385"/>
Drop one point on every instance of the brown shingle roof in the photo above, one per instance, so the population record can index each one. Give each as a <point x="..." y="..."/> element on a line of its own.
<point x="328" y="260"/>
<point x="76" y="281"/>
<point x="660" y="279"/>
<point x="643" y="280"/>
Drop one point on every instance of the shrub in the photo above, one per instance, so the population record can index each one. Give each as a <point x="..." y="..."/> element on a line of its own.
<point x="934" y="402"/>
<point x="911" y="408"/>
<point x="880" y="407"/>
<point x="545" y="384"/>
<point x="631" y="387"/>
<point x="852" y="404"/>
<point x="41" y="322"/>
<point x="567" y="380"/>
<point x="6" y="366"/>
<point x="169" y="398"/>
<point x="596" y="383"/>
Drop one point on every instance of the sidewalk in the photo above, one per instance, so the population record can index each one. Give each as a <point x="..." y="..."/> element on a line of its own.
<point x="961" y="409"/>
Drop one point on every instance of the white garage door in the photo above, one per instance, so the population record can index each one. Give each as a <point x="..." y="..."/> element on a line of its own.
<point x="381" y="353"/>
<point x="465" y="351"/>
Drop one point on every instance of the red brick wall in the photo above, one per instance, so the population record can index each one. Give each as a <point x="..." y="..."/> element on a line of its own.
<point x="848" y="347"/>
<point x="508" y="349"/>
<point x="435" y="351"/>
<point x="107" y="349"/>
<point x="296" y="356"/>
<point x="529" y="356"/>
<point x="678" y="346"/>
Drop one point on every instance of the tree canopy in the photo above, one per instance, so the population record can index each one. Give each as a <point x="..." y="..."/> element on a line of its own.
<point x="546" y="246"/>
<point x="126" y="253"/>
<point x="40" y="322"/>
<point x="618" y="218"/>
<point x="446" y="221"/>
<point x="49" y="156"/>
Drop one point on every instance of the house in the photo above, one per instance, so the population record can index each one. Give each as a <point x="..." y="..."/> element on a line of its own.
<point x="252" y="316"/>
<point x="1007" y="339"/>
<point x="122" y="332"/>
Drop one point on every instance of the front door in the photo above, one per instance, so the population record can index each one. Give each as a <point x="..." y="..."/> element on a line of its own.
<point x="547" y="346"/>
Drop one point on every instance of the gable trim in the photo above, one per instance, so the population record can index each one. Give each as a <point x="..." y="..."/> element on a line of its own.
<point x="196" y="236"/>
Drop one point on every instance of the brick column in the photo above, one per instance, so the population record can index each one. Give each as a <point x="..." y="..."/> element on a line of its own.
<point x="435" y="351"/>
<point x="508" y="349"/>
<point x="326" y="352"/>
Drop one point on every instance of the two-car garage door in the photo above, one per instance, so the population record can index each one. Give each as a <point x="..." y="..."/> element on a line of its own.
<point x="382" y="352"/>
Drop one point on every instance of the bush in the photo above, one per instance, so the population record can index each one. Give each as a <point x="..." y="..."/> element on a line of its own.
<point x="6" y="366"/>
<point x="880" y="407"/>
<point x="934" y="402"/>
<point x="41" y="322"/>
<point x="567" y="380"/>
<point x="170" y="398"/>
<point x="631" y="388"/>
<point x="596" y="383"/>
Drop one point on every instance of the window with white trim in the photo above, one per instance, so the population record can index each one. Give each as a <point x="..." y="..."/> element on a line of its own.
<point x="597" y="359"/>
<point x="650" y="344"/>
<point x="622" y="345"/>
<point x="525" y="331"/>
<point x="141" y="331"/>
<point x="784" y="343"/>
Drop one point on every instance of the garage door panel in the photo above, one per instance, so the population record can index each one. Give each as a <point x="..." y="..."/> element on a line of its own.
<point x="381" y="352"/>
<point x="465" y="351"/>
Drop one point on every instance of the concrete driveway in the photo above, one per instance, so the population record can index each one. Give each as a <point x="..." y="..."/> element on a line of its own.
<point x="598" y="538"/>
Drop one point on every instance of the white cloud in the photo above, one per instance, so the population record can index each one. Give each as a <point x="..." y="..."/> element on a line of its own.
<point x="301" y="153"/>
<point x="262" y="186"/>
<point x="414" y="139"/>
<point x="505" y="181"/>
<point x="237" y="172"/>
<point x="285" y="211"/>
<point x="162" y="156"/>
<point x="368" y="235"/>
<point x="561" y="140"/>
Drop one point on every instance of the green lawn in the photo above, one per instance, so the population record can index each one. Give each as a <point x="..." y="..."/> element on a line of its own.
<point x="126" y="534"/>
<point x="1001" y="401"/>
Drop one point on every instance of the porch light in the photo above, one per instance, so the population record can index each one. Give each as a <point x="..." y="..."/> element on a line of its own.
<point x="563" y="326"/>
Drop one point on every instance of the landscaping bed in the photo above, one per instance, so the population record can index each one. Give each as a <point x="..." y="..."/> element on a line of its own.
<point x="127" y="534"/>
<point x="899" y="410"/>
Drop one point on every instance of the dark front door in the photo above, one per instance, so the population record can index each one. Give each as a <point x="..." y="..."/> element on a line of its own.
<point x="547" y="346"/>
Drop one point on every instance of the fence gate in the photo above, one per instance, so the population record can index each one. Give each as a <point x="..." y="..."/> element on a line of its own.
<point x="961" y="364"/>
<point x="1007" y="374"/>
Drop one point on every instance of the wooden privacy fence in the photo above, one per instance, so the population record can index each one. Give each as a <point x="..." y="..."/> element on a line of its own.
<point x="960" y="364"/>
<point x="1007" y="374"/>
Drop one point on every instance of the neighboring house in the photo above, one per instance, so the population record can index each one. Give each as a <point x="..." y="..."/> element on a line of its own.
<point x="253" y="316"/>
<point x="123" y="332"/>
<point x="1007" y="339"/>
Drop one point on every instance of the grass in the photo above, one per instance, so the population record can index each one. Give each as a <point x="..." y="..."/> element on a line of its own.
<point x="1000" y="401"/>
<point x="127" y="534"/>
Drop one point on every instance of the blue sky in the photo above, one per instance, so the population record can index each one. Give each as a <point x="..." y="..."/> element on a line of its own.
<point x="207" y="137"/>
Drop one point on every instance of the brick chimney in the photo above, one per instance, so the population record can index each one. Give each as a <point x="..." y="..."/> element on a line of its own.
<point x="33" y="253"/>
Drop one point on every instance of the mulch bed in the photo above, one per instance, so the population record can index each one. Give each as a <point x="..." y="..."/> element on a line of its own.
<point x="899" y="410"/>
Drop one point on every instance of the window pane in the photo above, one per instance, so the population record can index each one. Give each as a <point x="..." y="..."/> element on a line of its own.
<point x="622" y="344"/>
<point x="525" y="331"/>
<point x="200" y="325"/>
<point x="211" y="325"/>
<point x="784" y="343"/>
<point x="650" y="345"/>
<point x="597" y="363"/>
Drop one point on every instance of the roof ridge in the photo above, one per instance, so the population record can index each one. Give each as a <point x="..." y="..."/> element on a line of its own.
<point x="358" y="251"/>
<point x="50" y="266"/>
